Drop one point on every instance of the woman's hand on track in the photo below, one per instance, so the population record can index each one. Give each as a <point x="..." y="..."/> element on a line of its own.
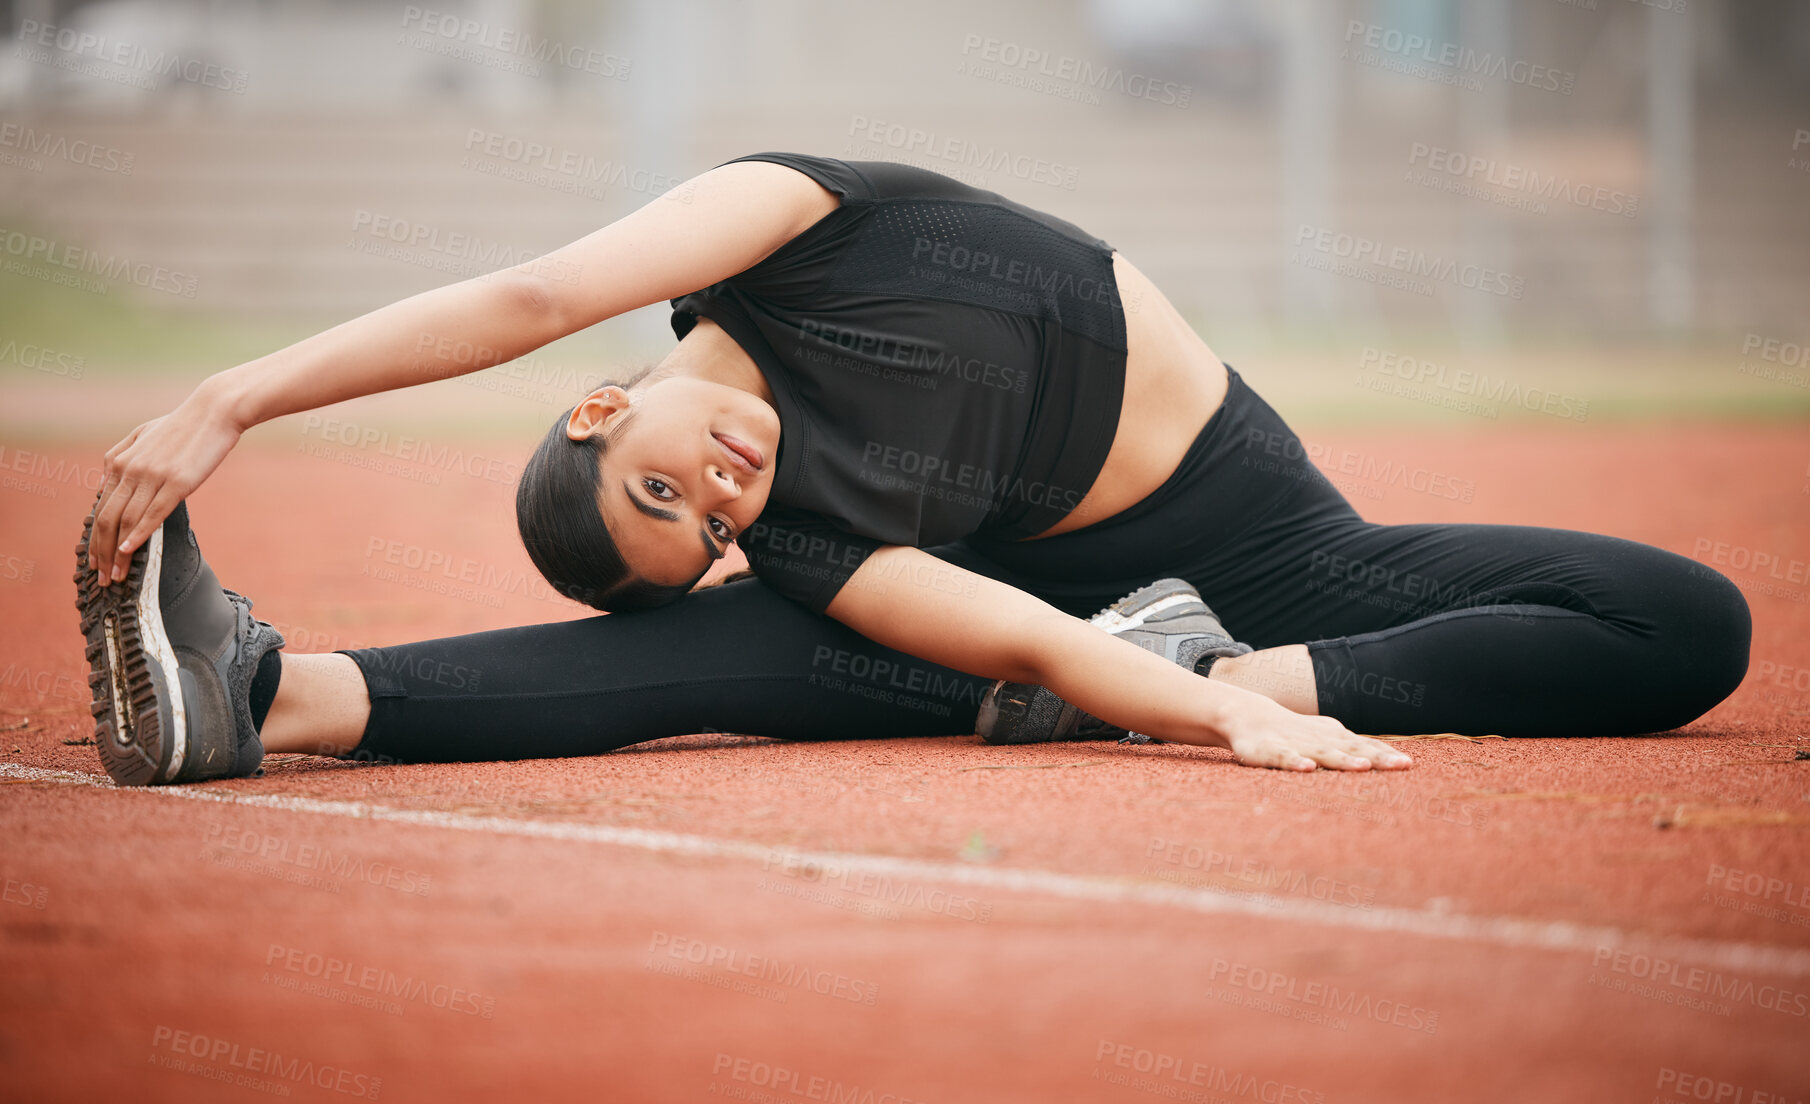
<point x="1266" y="735"/>
<point x="148" y="473"/>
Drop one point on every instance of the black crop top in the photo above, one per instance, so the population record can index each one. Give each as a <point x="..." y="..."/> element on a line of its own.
<point x="944" y="361"/>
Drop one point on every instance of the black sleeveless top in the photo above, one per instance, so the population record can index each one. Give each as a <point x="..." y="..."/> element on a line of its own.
<point x="945" y="362"/>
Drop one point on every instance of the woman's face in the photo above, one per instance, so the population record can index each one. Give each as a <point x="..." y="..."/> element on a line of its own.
<point x="688" y="468"/>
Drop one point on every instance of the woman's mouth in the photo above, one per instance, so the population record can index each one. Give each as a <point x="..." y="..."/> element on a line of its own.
<point x="742" y="454"/>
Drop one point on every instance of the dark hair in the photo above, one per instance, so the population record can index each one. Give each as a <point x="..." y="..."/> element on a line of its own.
<point x="556" y="514"/>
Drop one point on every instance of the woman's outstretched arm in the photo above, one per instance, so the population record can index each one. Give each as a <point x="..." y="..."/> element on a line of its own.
<point x="706" y="230"/>
<point x="907" y="599"/>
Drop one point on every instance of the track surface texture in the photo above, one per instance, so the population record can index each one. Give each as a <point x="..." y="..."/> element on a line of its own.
<point x="726" y="917"/>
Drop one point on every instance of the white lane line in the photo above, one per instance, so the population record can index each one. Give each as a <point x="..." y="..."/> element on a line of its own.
<point x="1501" y="931"/>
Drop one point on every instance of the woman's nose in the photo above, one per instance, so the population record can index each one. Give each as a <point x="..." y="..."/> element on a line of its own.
<point x="726" y="482"/>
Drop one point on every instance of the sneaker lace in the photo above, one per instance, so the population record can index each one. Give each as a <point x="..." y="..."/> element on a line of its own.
<point x="245" y="626"/>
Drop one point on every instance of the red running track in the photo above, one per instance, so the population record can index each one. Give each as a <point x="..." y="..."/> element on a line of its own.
<point x="935" y="920"/>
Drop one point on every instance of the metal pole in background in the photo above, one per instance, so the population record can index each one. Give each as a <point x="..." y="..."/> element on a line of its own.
<point x="659" y="123"/>
<point x="1482" y="125"/>
<point x="37" y="78"/>
<point x="505" y="92"/>
<point x="1671" y="88"/>
<point x="1309" y="153"/>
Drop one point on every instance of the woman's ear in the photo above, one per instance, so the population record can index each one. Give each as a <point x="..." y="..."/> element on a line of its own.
<point x="597" y="412"/>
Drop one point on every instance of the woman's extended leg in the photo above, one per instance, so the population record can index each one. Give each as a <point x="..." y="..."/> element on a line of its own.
<point x="734" y="658"/>
<point x="321" y="706"/>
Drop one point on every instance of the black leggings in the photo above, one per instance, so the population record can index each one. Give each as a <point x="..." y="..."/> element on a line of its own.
<point x="1478" y="629"/>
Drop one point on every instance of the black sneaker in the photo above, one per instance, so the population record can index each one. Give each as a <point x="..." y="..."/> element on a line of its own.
<point x="171" y="657"/>
<point x="1167" y="617"/>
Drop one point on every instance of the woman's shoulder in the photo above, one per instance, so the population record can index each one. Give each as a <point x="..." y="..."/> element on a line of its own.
<point x="842" y="178"/>
<point x="878" y="181"/>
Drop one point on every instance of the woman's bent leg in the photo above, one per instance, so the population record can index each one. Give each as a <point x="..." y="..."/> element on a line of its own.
<point x="1478" y="629"/>
<point x="734" y="658"/>
<point x="1507" y="630"/>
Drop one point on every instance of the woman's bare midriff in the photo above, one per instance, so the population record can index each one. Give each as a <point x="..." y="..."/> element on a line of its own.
<point x="1173" y="384"/>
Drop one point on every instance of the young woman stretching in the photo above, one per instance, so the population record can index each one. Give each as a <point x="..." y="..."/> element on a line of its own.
<point x="943" y="427"/>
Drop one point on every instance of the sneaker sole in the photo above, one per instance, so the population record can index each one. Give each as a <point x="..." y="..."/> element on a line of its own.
<point x="140" y="723"/>
<point x="1144" y="603"/>
<point x="1009" y="710"/>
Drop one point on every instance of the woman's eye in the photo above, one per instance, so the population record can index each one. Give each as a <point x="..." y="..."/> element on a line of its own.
<point x="721" y="528"/>
<point x="659" y="489"/>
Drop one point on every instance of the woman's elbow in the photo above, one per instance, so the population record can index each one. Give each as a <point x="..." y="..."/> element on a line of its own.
<point x="1034" y="655"/>
<point x="538" y="298"/>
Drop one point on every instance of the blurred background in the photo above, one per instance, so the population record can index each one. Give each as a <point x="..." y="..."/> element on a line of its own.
<point x="1544" y="262"/>
<point x="1604" y="200"/>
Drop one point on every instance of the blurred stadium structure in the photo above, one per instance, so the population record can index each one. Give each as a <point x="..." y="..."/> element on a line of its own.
<point x="1586" y="167"/>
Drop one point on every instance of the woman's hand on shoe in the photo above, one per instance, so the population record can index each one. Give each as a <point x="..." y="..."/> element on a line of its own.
<point x="1264" y="734"/>
<point x="153" y="469"/>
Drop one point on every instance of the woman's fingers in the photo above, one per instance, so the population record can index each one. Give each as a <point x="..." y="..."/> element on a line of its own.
<point x="100" y="504"/>
<point x="105" y="534"/>
<point x="149" y="520"/>
<point x="1384" y="755"/>
<point x="1335" y="759"/>
<point x="148" y="473"/>
<point x="1285" y="755"/>
<point x="1278" y="757"/>
<point x="116" y="491"/>
<point x="1376" y="754"/>
<point x="132" y="498"/>
<point x="1313" y="743"/>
